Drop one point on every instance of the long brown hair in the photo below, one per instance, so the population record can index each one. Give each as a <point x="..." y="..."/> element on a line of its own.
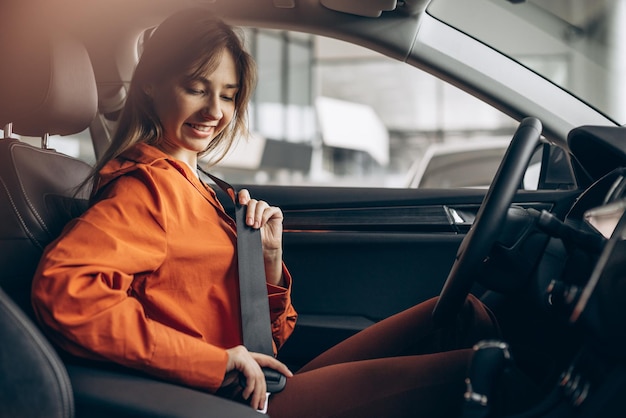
<point x="189" y="42"/>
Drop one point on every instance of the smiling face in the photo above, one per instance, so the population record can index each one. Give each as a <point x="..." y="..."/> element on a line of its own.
<point x="194" y="110"/>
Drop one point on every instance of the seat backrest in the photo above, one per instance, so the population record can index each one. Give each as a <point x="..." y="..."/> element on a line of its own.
<point x="46" y="87"/>
<point x="37" y="198"/>
<point x="52" y="91"/>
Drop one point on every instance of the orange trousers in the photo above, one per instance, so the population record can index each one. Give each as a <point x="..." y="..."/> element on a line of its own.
<point x="402" y="366"/>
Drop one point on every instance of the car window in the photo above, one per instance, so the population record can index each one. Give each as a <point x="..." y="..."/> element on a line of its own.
<point x="458" y="164"/>
<point x="330" y="113"/>
<point x="576" y="45"/>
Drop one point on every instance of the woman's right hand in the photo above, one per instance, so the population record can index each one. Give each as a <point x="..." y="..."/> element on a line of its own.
<point x="249" y="365"/>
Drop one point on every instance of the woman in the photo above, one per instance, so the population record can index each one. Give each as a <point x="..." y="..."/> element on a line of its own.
<point x="147" y="277"/>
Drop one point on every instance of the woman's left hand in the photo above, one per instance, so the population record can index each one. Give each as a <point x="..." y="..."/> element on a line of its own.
<point x="269" y="219"/>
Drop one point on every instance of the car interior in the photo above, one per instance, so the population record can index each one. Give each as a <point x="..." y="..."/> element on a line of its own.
<point x="548" y="262"/>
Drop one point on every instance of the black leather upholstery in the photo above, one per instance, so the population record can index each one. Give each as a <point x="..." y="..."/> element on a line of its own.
<point x="38" y="191"/>
<point x="48" y="87"/>
<point x="34" y="382"/>
<point x="103" y="392"/>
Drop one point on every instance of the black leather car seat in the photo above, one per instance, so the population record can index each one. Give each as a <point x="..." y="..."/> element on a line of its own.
<point x="37" y="197"/>
<point x="49" y="88"/>
<point x="34" y="382"/>
<point x="37" y="188"/>
<point x="53" y="92"/>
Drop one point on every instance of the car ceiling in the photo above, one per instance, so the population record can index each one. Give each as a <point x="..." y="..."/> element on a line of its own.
<point x="110" y="28"/>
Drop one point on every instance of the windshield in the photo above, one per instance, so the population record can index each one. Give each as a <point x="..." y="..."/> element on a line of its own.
<point x="579" y="45"/>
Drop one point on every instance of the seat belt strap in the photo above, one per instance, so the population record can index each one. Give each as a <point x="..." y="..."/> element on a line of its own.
<point x="255" y="311"/>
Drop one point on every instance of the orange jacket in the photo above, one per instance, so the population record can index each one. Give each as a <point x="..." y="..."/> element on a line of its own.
<point x="147" y="277"/>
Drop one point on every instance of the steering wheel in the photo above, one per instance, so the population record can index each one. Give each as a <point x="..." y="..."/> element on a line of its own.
<point x="477" y="244"/>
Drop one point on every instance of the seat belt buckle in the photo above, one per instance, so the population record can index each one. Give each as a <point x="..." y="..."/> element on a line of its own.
<point x="274" y="381"/>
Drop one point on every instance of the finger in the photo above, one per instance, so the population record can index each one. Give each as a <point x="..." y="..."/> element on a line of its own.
<point x="258" y="399"/>
<point x="260" y="210"/>
<point x="268" y="361"/>
<point x="271" y="213"/>
<point x="250" y="382"/>
<point x="254" y="390"/>
<point x="281" y="368"/>
<point x="255" y="213"/>
<point x="252" y="219"/>
<point x="243" y="196"/>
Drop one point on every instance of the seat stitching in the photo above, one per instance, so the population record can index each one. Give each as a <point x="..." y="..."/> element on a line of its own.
<point x="21" y="219"/>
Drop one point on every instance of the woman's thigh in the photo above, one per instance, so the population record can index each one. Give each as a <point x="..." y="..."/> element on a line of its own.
<point x="429" y="385"/>
<point x="412" y="332"/>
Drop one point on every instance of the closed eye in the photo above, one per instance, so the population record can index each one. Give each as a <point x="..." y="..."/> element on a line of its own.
<point x="195" y="92"/>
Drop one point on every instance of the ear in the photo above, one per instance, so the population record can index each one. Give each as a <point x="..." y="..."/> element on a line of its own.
<point x="147" y="89"/>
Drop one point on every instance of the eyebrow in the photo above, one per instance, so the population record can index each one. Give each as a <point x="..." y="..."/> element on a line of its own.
<point x="229" y="86"/>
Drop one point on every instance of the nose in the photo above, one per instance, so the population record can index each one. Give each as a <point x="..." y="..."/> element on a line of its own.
<point x="213" y="108"/>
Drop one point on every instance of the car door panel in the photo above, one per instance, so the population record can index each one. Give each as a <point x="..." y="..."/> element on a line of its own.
<point x="360" y="255"/>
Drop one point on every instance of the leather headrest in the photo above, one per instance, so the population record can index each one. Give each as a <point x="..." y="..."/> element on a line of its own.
<point x="46" y="86"/>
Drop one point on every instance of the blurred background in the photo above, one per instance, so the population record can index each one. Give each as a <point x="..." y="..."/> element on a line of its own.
<point x="330" y="113"/>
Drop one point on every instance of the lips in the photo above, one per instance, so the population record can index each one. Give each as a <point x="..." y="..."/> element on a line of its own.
<point x="201" y="128"/>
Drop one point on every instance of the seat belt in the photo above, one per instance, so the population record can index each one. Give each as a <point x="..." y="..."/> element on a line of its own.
<point x="255" y="311"/>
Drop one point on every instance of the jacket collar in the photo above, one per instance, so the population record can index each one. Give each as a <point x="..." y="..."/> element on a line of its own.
<point x="138" y="155"/>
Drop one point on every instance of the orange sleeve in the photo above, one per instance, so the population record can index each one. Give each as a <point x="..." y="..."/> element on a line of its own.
<point x="82" y="290"/>
<point x="282" y="313"/>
